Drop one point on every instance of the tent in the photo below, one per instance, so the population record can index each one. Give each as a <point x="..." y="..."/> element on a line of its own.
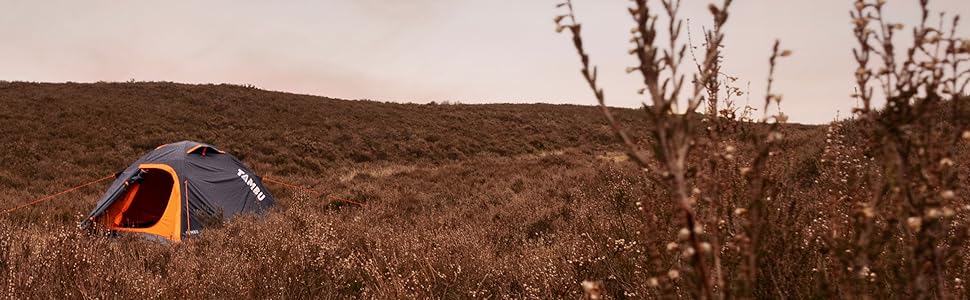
<point x="177" y="189"/>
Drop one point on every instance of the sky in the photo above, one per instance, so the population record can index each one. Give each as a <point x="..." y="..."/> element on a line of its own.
<point x="466" y="51"/>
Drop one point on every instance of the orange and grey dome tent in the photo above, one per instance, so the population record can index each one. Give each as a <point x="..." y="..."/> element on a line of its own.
<point x="177" y="189"/>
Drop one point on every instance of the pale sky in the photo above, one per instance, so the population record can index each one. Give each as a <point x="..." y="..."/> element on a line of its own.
<point x="482" y="51"/>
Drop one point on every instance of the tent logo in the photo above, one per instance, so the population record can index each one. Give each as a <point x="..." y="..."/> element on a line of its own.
<point x="252" y="185"/>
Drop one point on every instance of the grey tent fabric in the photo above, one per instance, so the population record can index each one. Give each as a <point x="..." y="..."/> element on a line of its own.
<point x="214" y="185"/>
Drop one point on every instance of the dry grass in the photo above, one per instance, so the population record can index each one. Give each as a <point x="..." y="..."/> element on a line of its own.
<point x="506" y="218"/>
<point x="503" y="201"/>
<point x="888" y="221"/>
<point x="450" y="198"/>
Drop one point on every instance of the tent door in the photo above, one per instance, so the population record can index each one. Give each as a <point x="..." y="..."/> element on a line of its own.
<point x="151" y="205"/>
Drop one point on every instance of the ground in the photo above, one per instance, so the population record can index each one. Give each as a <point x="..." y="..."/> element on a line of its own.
<point x="454" y="201"/>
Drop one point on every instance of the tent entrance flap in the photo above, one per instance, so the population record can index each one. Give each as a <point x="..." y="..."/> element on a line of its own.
<point x="151" y="205"/>
<point x="145" y="201"/>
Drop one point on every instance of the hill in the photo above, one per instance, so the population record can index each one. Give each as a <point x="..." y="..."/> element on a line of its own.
<point x="459" y="201"/>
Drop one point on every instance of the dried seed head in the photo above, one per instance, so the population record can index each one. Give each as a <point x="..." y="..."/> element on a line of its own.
<point x="914" y="223"/>
<point x="775" y="136"/>
<point x="933" y="213"/>
<point x="966" y="134"/>
<point x="745" y="170"/>
<point x="868" y="212"/>
<point x="672" y="246"/>
<point x="781" y="118"/>
<point x="683" y="234"/>
<point x="739" y="211"/>
<point x="785" y="53"/>
<point x="673" y="274"/>
<point x="946" y="162"/>
<point x="653" y="282"/>
<point x="706" y="247"/>
<point x="593" y="289"/>
<point x="948" y="212"/>
<point x="688" y="252"/>
<point x="947" y="195"/>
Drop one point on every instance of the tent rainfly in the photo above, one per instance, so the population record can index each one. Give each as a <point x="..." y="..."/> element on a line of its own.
<point x="177" y="189"/>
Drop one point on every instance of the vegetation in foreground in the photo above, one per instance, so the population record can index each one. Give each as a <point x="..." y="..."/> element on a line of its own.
<point x="899" y="234"/>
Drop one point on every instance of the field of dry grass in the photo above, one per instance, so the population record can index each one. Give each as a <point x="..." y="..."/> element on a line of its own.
<point x="459" y="201"/>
